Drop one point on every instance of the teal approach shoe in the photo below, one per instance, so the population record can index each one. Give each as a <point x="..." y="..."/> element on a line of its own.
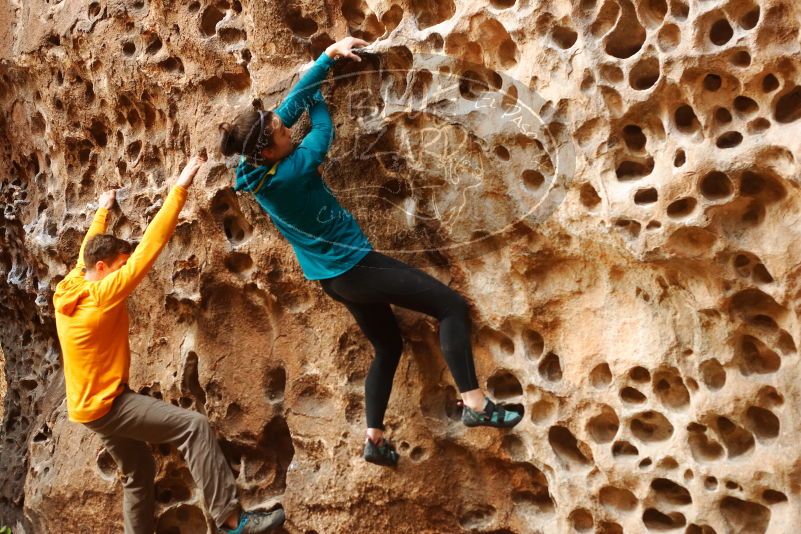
<point x="257" y="522"/>
<point x="495" y="415"/>
<point x="381" y="453"/>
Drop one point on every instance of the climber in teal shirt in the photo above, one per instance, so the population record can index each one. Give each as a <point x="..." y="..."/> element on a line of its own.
<point x="327" y="240"/>
<point x="331" y="248"/>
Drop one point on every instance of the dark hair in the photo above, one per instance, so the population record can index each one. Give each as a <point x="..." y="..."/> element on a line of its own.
<point x="104" y="247"/>
<point x="249" y="134"/>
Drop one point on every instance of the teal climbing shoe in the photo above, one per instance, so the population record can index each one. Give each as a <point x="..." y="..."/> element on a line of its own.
<point x="381" y="453"/>
<point x="257" y="522"/>
<point x="495" y="415"/>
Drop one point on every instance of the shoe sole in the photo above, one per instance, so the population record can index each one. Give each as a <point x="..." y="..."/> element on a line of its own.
<point x="493" y="425"/>
<point x="278" y="518"/>
<point x="380" y="462"/>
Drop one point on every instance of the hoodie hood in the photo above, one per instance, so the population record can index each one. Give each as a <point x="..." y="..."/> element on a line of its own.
<point x="250" y="177"/>
<point x="70" y="292"/>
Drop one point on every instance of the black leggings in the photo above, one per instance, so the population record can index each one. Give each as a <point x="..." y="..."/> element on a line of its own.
<point x="368" y="289"/>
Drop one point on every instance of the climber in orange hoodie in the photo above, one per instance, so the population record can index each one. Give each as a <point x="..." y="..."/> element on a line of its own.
<point x="92" y="324"/>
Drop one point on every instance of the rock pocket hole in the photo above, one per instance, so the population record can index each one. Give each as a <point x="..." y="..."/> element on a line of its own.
<point x="788" y="107"/>
<point x="716" y="186"/>
<point x="532" y="180"/>
<point x="542" y="411"/>
<point x="655" y="520"/>
<point x="744" y="516"/>
<point x="753" y="357"/>
<point x="566" y="447"/>
<point x="624" y="448"/>
<point x="106" y="465"/>
<point x="588" y="196"/>
<point x="550" y="368"/>
<point x="564" y="37"/>
<point x="770" y="83"/>
<point x="751" y="19"/>
<point x="745" y="105"/>
<point x="634" y="170"/>
<point x="703" y="448"/>
<point x="639" y="374"/>
<point x="581" y="520"/>
<point x="685" y="118"/>
<point x="712" y="82"/>
<point x="723" y="116"/>
<point x="628" y="36"/>
<point x="634" y="137"/>
<point x="514" y="447"/>
<point x="741" y="59"/>
<point x="650" y="427"/>
<point x="533" y="344"/>
<point x="670" y="492"/>
<point x="504" y="385"/>
<point x="632" y="395"/>
<point x="680" y="158"/>
<point x="235" y="230"/>
<point x="670" y="389"/>
<point x="721" y="32"/>
<point x="300" y="25"/>
<point x="763" y="423"/>
<point x="669" y="37"/>
<point x="601" y="376"/>
<point x="758" y="125"/>
<point x="238" y="262"/>
<point x="773" y="497"/>
<point x="172" y="64"/>
<point x="209" y="19"/>
<point x="737" y="440"/>
<point x="617" y="499"/>
<point x="713" y="375"/>
<point x="603" y="427"/>
<point x="154" y="45"/>
<point x="645" y="74"/>
<point x="428" y="13"/>
<point x="681" y="207"/>
<point x="477" y="518"/>
<point x="232" y="35"/>
<point x="646" y="196"/>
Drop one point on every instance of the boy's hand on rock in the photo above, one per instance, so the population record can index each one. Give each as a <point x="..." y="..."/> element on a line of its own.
<point x="344" y="48"/>
<point x="107" y="199"/>
<point x="189" y="172"/>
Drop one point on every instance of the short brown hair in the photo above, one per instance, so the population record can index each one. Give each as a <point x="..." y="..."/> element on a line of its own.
<point x="105" y="248"/>
<point x="250" y="132"/>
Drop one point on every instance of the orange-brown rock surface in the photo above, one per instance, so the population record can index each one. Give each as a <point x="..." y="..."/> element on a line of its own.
<point x="612" y="184"/>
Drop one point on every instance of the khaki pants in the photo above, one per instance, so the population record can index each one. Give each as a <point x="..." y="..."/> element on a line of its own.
<point x="135" y="419"/>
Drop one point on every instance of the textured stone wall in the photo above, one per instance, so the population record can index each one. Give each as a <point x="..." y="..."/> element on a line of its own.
<point x="631" y="260"/>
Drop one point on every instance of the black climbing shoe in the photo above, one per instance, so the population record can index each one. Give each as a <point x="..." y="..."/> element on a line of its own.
<point x="257" y="522"/>
<point x="495" y="415"/>
<point x="381" y="453"/>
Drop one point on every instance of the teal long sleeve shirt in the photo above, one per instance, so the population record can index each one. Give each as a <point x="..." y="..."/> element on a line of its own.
<point x="326" y="238"/>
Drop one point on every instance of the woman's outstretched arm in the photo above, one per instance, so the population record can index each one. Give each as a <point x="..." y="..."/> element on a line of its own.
<point x="307" y="91"/>
<point x="312" y="150"/>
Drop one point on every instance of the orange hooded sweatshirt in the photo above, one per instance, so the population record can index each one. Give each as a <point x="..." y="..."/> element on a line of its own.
<point x="92" y="317"/>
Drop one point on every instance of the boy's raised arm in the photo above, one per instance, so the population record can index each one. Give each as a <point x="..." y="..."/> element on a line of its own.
<point x="98" y="226"/>
<point x="118" y="285"/>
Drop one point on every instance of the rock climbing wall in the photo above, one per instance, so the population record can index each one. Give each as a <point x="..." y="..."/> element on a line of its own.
<point x="612" y="185"/>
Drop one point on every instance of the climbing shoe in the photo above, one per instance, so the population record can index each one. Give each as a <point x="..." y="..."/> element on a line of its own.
<point x="493" y="415"/>
<point x="257" y="522"/>
<point x="381" y="453"/>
